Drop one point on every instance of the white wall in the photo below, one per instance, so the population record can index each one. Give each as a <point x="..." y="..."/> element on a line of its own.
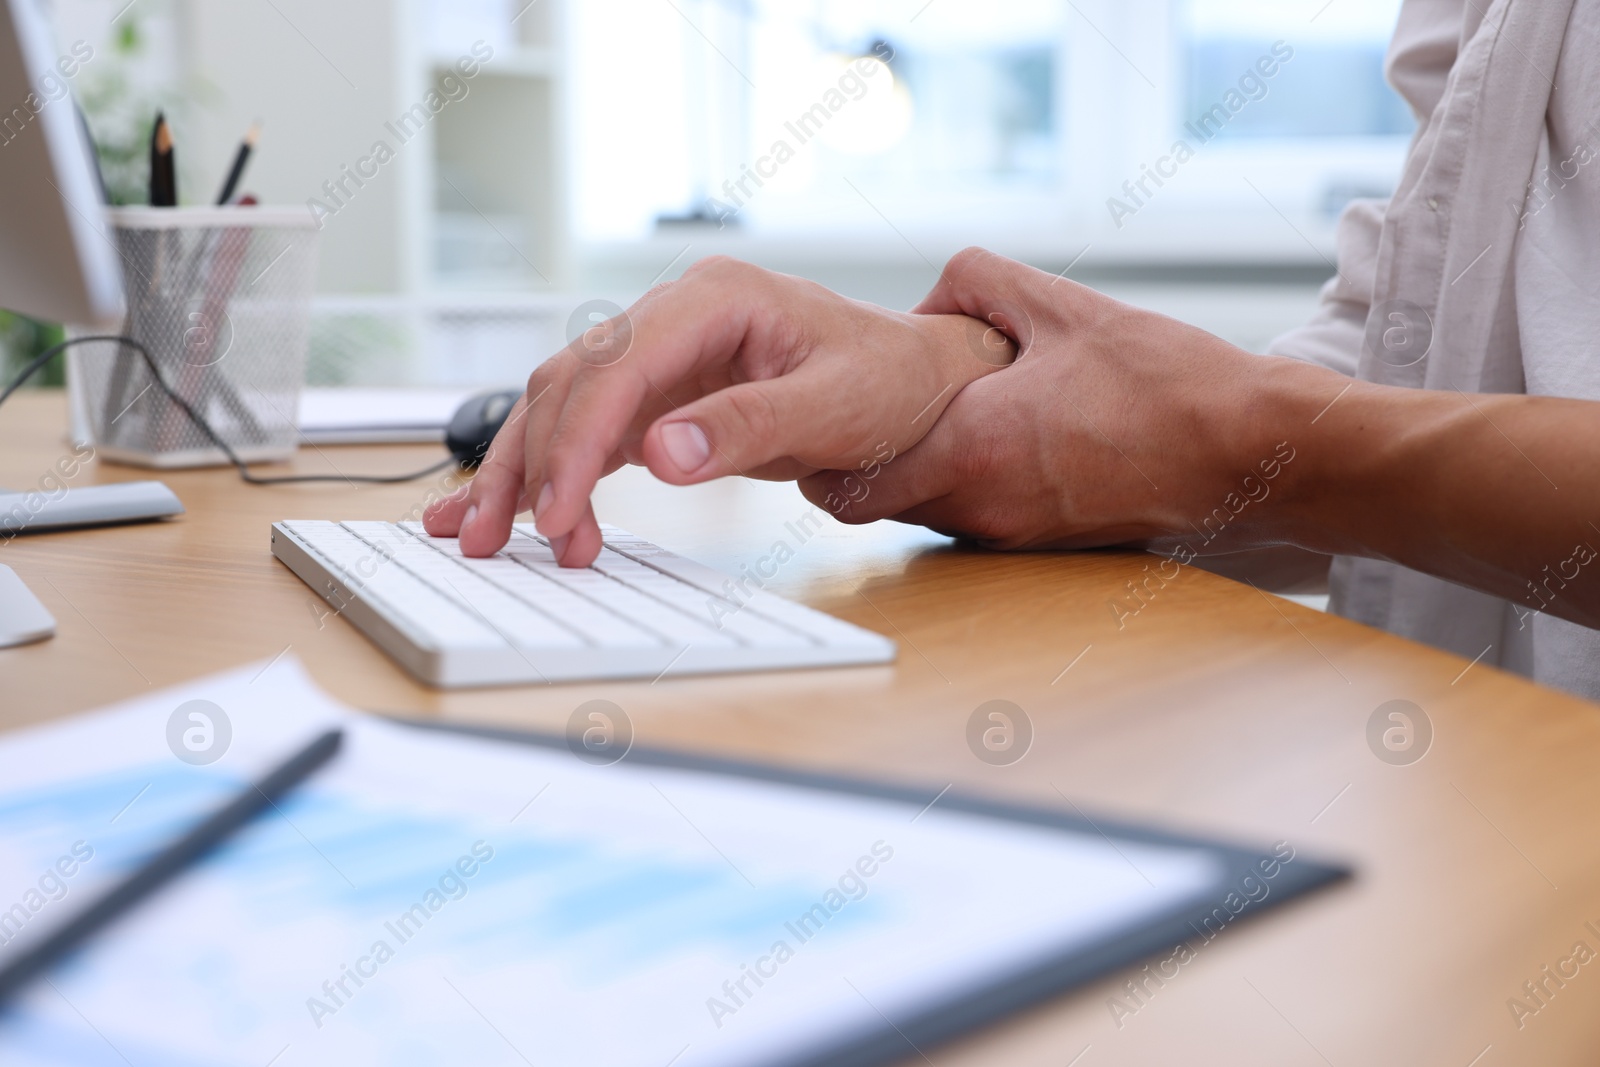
<point x="323" y="78"/>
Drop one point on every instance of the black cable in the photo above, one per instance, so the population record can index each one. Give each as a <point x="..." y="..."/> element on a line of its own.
<point x="205" y="427"/>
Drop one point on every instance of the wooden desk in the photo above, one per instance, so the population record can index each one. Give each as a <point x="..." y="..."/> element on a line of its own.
<point x="1215" y="710"/>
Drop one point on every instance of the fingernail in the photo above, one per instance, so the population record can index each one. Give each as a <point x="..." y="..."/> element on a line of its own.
<point x="558" y="545"/>
<point x="686" y="446"/>
<point x="466" y="520"/>
<point x="545" y="496"/>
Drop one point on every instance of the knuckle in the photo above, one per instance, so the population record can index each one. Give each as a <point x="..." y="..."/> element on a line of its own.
<point x="547" y="373"/>
<point x="753" y="414"/>
<point x="496" y="454"/>
<point x="561" y="449"/>
<point x="728" y="272"/>
<point x="715" y="266"/>
<point x="968" y="258"/>
<point x="832" y="495"/>
<point x="655" y="292"/>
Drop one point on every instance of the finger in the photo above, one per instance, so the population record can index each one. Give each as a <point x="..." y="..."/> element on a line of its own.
<point x="581" y="547"/>
<point x="972" y="273"/>
<point x="1003" y="295"/>
<point x="528" y="420"/>
<point x="447" y="517"/>
<point x="496" y="490"/>
<point x="946" y="515"/>
<point x="738" y="430"/>
<point x="700" y="322"/>
<point x="544" y="412"/>
<point x="442" y="518"/>
<point x="926" y="473"/>
<point x="815" y="417"/>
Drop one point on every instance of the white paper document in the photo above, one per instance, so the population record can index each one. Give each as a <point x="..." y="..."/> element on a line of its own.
<point x="358" y="416"/>
<point x="428" y="898"/>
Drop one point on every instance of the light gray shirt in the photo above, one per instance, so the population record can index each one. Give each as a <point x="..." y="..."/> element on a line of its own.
<point x="1493" y="238"/>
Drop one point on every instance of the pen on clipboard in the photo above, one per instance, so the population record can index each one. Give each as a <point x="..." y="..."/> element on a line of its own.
<point x="170" y="861"/>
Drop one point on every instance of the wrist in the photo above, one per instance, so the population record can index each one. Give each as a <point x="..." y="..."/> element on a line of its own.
<point x="1355" y="446"/>
<point x="960" y="350"/>
<point x="1271" y="460"/>
<point x="967" y="348"/>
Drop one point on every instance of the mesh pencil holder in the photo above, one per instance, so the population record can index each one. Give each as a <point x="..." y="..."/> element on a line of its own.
<point x="221" y="298"/>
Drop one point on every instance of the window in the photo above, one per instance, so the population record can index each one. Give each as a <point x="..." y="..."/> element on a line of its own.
<point x="970" y="93"/>
<point x="1020" y="124"/>
<point x="775" y="114"/>
<point x="1324" y="128"/>
<point x="1337" y="89"/>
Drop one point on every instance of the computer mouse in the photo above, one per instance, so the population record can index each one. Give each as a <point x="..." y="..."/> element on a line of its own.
<point x="476" y="421"/>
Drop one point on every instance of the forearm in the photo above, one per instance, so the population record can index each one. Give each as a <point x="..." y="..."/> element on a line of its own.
<point x="1493" y="491"/>
<point x="1118" y="426"/>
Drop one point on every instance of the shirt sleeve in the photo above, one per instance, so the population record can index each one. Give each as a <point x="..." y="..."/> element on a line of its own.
<point x="1426" y="41"/>
<point x="1333" y="336"/>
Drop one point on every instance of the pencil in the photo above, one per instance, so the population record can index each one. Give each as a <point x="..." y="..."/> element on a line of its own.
<point x="163" y="173"/>
<point x="231" y="185"/>
<point x="170" y="862"/>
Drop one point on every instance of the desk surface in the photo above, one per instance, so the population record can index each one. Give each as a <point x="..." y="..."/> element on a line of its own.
<point x="1216" y="709"/>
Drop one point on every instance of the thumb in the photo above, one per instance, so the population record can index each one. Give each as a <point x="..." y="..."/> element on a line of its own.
<point x="738" y="430"/>
<point x="921" y="475"/>
<point x="1008" y="300"/>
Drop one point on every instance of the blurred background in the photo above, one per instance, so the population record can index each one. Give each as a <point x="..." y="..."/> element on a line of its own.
<point x="600" y="146"/>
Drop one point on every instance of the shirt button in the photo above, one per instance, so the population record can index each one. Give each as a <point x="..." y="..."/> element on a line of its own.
<point x="1433" y="203"/>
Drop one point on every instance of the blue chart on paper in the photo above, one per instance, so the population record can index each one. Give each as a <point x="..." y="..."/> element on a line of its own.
<point x="383" y="873"/>
<point x="428" y="899"/>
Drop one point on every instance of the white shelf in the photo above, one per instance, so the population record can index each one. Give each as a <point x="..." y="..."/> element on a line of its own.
<point x="495" y="150"/>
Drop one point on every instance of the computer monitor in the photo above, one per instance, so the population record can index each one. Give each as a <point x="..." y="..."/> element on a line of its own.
<point x="58" y="257"/>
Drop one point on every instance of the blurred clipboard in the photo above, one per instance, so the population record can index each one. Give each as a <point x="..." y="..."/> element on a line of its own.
<point x="1239" y="883"/>
<point x="504" y="897"/>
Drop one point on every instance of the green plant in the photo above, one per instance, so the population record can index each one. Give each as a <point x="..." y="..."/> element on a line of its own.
<point x="21" y="339"/>
<point x="120" y="116"/>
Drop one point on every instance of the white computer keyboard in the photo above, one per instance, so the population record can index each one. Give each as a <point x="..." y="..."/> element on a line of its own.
<point x="516" y="616"/>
